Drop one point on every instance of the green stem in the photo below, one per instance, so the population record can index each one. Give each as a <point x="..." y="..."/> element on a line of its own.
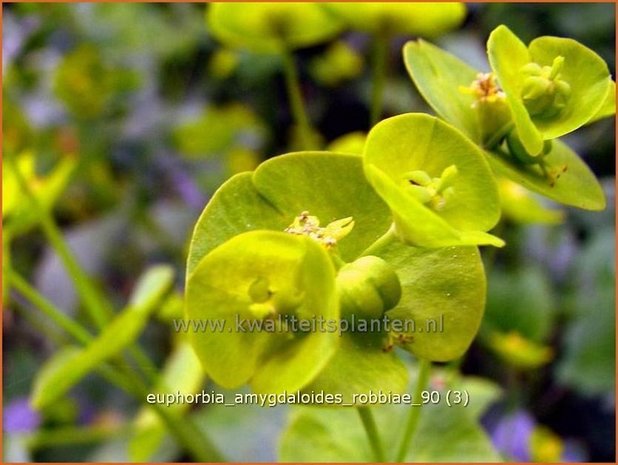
<point x="382" y="241"/>
<point x="295" y="98"/>
<point x="66" y="323"/>
<point x="99" y="312"/>
<point x="75" y="435"/>
<point x="74" y="329"/>
<point x="415" y="410"/>
<point x="95" y="302"/>
<point x="498" y="136"/>
<point x="184" y="429"/>
<point x="379" y="65"/>
<point x="372" y="433"/>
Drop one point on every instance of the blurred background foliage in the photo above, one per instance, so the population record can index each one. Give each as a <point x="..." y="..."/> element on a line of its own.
<point x="124" y="118"/>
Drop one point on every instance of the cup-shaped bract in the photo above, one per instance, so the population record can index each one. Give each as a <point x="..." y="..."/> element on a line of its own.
<point x="271" y="27"/>
<point x="445" y="81"/>
<point x="259" y="285"/>
<point x="436" y="182"/>
<point x="418" y="19"/>
<point x="330" y="188"/>
<point x="553" y="86"/>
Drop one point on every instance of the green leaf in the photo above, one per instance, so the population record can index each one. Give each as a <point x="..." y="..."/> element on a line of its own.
<point x="443" y="292"/>
<point x="419" y="19"/>
<point x="439" y="77"/>
<point x="68" y="367"/>
<point x="151" y="287"/>
<point x="329" y="186"/>
<point x="582" y="71"/>
<point x="298" y="278"/>
<point x="182" y="372"/>
<point x="336" y="435"/>
<point x="412" y="142"/>
<point x="577" y="186"/>
<point x="271" y="27"/>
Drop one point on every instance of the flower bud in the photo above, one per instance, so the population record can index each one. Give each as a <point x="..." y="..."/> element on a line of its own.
<point x="544" y="93"/>
<point x="368" y="287"/>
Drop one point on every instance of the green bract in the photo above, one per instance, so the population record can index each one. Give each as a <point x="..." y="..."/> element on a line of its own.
<point x="471" y="102"/>
<point x="271" y="27"/>
<point x="330" y="187"/>
<point x="292" y="192"/>
<point x="421" y="19"/>
<point x="553" y="86"/>
<point x="264" y="278"/>
<point x="436" y="182"/>
<point x="574" y="183"/>
<point x="443" y="293"/>
<point x="439" y="77"/>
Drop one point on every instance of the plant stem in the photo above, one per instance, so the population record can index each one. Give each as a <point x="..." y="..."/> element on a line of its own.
<point x="379" y="65"/>
<point x="372" y="433"/>
<point x="75" y="435"/>
<point x="493" y="142"/>
<point x="184" y="429"/>
<point x="295" y="98"/>
<point x="70" y="326"/>
<point x="100" y="311"/>
<point x="382" y="241"/>
<point x="415" y="410"/>
<point x="73" y="328"/>
<point x="92" y="299"/>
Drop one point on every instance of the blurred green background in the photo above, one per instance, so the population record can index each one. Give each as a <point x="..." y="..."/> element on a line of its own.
<point x="128" y="116"/>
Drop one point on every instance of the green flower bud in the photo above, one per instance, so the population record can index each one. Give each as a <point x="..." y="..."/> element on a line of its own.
<point x="368" y="287"/>
<point x="544" y="93"/>
<point x="433" y="192"/>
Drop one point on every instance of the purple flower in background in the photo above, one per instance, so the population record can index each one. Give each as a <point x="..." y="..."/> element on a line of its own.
<point x="511" y="436"/>
<point x="18" y="417"/>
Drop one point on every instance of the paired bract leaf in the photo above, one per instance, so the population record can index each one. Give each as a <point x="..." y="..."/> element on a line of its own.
<point x="553" y="86"/>
<point x="574" y="184"/>
<point x="271" y="27"/>
<point x="404" y="158"/>
<point x="419" y="19"/>
<point x="443" y="293"/>
<point x="249" y="280"/>
<point x="332" y="187"/>
<point x="328" y="186"/>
